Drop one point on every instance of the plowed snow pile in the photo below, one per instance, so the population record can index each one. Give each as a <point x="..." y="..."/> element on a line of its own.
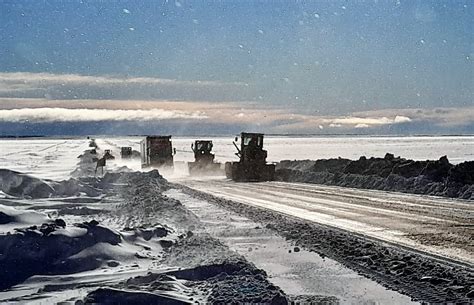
<point x="390" y="173"/>
<point x="113" y="239"/>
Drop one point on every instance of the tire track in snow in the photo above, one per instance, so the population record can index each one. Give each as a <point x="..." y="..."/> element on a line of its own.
<point x="334" y="207"/>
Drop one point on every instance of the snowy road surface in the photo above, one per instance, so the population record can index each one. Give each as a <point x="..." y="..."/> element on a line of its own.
<point x="436" y="226"/>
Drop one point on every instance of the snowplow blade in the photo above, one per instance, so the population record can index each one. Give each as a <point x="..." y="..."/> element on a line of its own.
<point x="250" y="172"/>
<point x="210" y="169"/>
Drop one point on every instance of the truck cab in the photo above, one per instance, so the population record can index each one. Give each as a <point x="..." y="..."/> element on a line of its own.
<point x="202" y="151"/>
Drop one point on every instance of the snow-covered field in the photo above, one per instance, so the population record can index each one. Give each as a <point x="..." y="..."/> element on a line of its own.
<point x="129" y="232"/>
<point x="457" y="149"/>
<point x="56" y="158"/>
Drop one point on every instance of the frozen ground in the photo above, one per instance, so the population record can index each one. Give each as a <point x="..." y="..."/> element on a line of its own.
<point x="297" y="273"/>
<point x="124" y="250"/>
<point x="433" y="225"/>
<point x="412" y="271"/>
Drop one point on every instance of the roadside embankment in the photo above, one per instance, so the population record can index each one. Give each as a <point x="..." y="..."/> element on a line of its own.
<point x="430" y="177"/>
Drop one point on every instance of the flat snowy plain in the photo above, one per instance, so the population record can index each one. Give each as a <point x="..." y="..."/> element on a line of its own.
<point x="56" y="158"/>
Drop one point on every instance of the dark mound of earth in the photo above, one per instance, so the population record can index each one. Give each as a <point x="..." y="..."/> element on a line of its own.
<point x="430" y="177"/>
<point x="116" y="296"/>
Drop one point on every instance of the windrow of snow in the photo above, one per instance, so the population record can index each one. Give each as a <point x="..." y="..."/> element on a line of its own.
<point x="431" y="177"/>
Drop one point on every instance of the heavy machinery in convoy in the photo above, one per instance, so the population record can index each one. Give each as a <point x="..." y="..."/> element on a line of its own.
<point x="108" y="155"/>
<point x="203" y="159"/>
<point x="252" y="165"/>
<point x="157" y="151"/>
<point x="126" y="152"/>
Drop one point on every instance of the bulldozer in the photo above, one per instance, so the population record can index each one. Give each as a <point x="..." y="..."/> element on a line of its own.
<point x="203" y="159"/>
<point x="157" y="151"/>
<point x="108" y="155"/>
<point x="252" y="165"/>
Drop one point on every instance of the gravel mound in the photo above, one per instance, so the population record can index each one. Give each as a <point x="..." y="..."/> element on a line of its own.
<point x="431" y="177"/>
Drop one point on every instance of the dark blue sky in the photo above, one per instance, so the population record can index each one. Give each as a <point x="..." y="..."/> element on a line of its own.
<point x="324" y="57"/>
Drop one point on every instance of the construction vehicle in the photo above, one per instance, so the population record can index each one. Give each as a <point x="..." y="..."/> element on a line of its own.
<point x="108" y="155"/>
<point x="252" y="165"/>
<point x="157" y="151"/>
<point x="203" y="159"/>
<point x="126" y="152"/>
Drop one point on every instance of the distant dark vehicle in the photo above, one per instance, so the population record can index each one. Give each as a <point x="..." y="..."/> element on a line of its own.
<point x="203" y="159"/>
<point x="252" y="165"/>
<point x="108" y="155"/>
<point x="126" y="152"/>
<point x="157" y="151"/>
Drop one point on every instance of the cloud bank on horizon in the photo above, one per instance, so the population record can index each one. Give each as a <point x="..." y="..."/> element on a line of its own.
<point x="323" y="67"/>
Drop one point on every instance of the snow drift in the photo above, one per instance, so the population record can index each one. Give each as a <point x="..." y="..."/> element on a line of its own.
<point x="431" y="177"/>
<point x="18" y="184"/>
<point x="52" y="248"/>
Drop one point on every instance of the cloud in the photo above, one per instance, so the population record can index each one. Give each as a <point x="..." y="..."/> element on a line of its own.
<point x="442" y="117"/>
<point x="74" y="86"/>
<point x="360" y="122"/>
<point x="42" y="115"/>
<point x="46" y="97"/>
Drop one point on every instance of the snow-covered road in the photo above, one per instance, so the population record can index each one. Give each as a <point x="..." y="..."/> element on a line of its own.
<point x="436" y="226"/>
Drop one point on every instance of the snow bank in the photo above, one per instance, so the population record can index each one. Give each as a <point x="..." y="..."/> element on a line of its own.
<point x="431" y="177"/>
<point x="203" y="277"/>
<point x="52" y="248"/>
<point x="10" y="215"/>
<point x="87" y="163"/>
<point x="21" y="185"/>
<point x="18" y="184"/>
